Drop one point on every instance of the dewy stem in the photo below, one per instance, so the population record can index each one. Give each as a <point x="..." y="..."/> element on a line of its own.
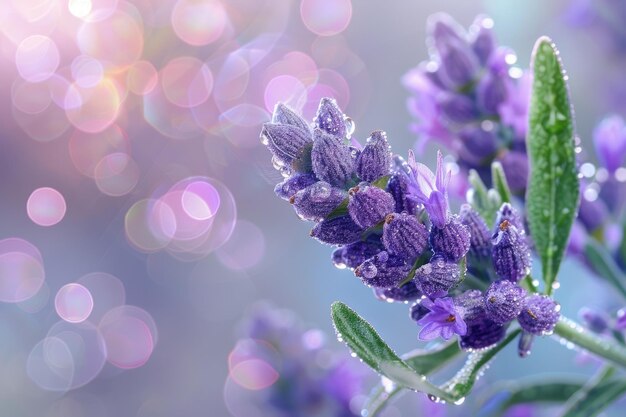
<point x="573" y="332"/>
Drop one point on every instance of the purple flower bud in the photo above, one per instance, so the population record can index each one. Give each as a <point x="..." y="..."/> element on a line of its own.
<point x="437" y="277"/>
<point x="480" y="238"/>
<point x="478" y="146"/>
<point x="539" y="314"/>
<point x="503" y="301"/>
<point x="443" y="29"/>
<point x="525" y="344"/>
<point x="418" y="311"/>
<point x="457" y="108"/>
<point x="492" y="92"/>
<point x="330" y="118"/>
<point x="317" y="201"/>
<point x="332" y="160"/>
<point x="452" y="241"/>
<point x="577" y="239"/>
<point x="337" y="231"/>
<point x="592" y="214"/>
<point x="459" y="65"/>
<point x="369" y="205"/>
<point x="292" y="185"/>
<point x="481" y="331"/>
<point x="374" y="160"/>
<point x="483" y="41"/>
<point x="510" y="253"/>
<point x="407" y="292"/>
<point x="404" y="236"/>
<point x="515" y="165"/>
<point x="509" y="213"/>
<point x="355" y="254"/>
<point x="382" y="271"/>
<point x="596" y="321"/>
<point x="283" y="115"/>
<point x="287" y="143"/>
<point x="397" y="187"/>
<point x="443" y="320"/>
<point x="609" y="138"/>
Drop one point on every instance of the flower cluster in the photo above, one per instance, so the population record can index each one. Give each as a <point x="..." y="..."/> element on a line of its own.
<point x="290" y="371"/>
<point x="393" y="226"/>
<point x="470" y="99"/>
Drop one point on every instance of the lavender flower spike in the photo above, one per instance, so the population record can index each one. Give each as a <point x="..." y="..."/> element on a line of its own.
<point x="510" y="254"/>
<point x="443" y="320"/>
<point x="330" y="118"/>
<point x="539" y="314"/>
<point x="369" y="205"/>
<point x="504" y="301"/>
<point x="430" y="189"/>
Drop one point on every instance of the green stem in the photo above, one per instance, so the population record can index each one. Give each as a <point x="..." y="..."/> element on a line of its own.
<point x="582" y="394"/>
<point x="576" y="334"/>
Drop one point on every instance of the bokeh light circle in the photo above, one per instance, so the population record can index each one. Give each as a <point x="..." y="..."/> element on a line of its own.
<point x="254" y="374"/>
<point x="107" y="292"/>
<point x="86" y="71"/>
<point x="88" y="149"/>
<point x="149" y="225"/>
<point x="244" y="249"/>
<point x="116" y="174"/>
<point x="46" y="206"/>
<point x="326" y="17"/>
<point x="79" y="8"/>
<point x="285" y="89"/>
<point x="142" y="77"/>
<point x="50" y="365"/>
<point x="199" y="22"/>
<point x="200" y="200"/>
<point x="130" y="336"/>
<point x="186" y="81"/>
<point x="92" y="109"/>
<point x="21" y="270"/>
<point x="30" y="98"/>
<point x="37" y="58"/>
<point x="73" y="303"/>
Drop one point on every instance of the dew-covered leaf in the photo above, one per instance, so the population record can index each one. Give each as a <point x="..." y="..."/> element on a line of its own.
<point x="553" y="191"/>
<point x="500" y="184"/>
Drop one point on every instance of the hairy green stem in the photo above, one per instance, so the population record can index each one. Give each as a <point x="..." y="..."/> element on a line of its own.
<point x="573" y="332"/>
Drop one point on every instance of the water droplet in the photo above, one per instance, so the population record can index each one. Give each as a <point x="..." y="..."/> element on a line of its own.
<point x="350" y="126"/>
<point x="265" y="139"/>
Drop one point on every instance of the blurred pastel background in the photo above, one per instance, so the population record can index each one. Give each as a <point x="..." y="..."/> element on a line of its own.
<point x="138" y="222"/>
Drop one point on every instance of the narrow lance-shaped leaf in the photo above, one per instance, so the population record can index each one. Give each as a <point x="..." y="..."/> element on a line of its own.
<point x="598" y="398"/>
<point x="552" y="195"/>
<point x="485" y="201"/>
<point x="500" y="184"/>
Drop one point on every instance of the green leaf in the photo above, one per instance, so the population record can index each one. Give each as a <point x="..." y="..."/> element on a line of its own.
<point x="382" y="182"/>
<point x="552" y="194"/>
<point x="536" y="392"/>
<point x="361" y="337"/>
<point x="485" y="201"/>
<point x="604" y="265"/>
<point x="597" y="398"/>
<point x="580" y="397"/>
<point x="422" y="361"/>
<point x="500" y="184"/>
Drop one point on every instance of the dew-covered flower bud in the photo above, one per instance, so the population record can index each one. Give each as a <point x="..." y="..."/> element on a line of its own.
<point x="480" y="238"/>
<point x="596" y="321"/>
<point x="317" y="201"/>
<point x="407" y="292"/>
<point x="483" y="41"/>
<point x="293" y="184"/>
<point x="539" y="315"/>
<point x="515" y="165"/>
<point x="492" y="92"/>
<point x="404" y="235"/>
<point x="503" y="301"/>
<point x="457" y="108"/>
<point x="510" y="213"/>
<point x="452" y="241"/>
<point x="510" y="254"/>
<point x="418" y="311"/>
<point x="283" y="115"/>
<point x="382" y="270"/>
<point x="437" y="277"/>
<point x="374" y="160"/>
<point x="482" y="332"/>
<point x="369" y="205"/>
<point x="340" y="230"/>
<point x="609" y="138"/>
<point x="332" y="160"/>
<point x="330" y="118"/>
<point x="287" y="143"/>
<point x="397" y="187"/>
<point x="355" y="254"/>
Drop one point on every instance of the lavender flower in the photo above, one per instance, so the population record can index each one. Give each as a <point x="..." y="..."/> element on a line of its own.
<point x="283" y="115"/>
<point x="452" y="240"/>
<point x="374" y="160"/>
<point x="539" y="314"/>
<point x="437" y="277"/>
<point x="404" y="235"/>
<point x="504" y="301"/>
<point x="382" y="270"/>
<point x="482" y="332"/>
<point x="406" y="292"/>
<point x="288" y="144"/>
<point x="355" y="254"/>
<point x="443" y="320"/>
<point x="430" y="189"/>
<point x="510" y="253"/>
<point x="292" y="185"/>
<point x="596" y="321"/>
<point x="331" y="159"/>
<point x="331" y="119"/>
<point x="317" y="200"/>
<point x="369" y="205"/>
<point x="398" y="187"/>
<point x="340" y="230"/>
<point x="480" y="238"/>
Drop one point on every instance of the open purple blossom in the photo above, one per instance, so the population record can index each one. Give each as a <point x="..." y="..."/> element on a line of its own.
<point x="443" y="320"/>
<point x="430" y="189"/>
